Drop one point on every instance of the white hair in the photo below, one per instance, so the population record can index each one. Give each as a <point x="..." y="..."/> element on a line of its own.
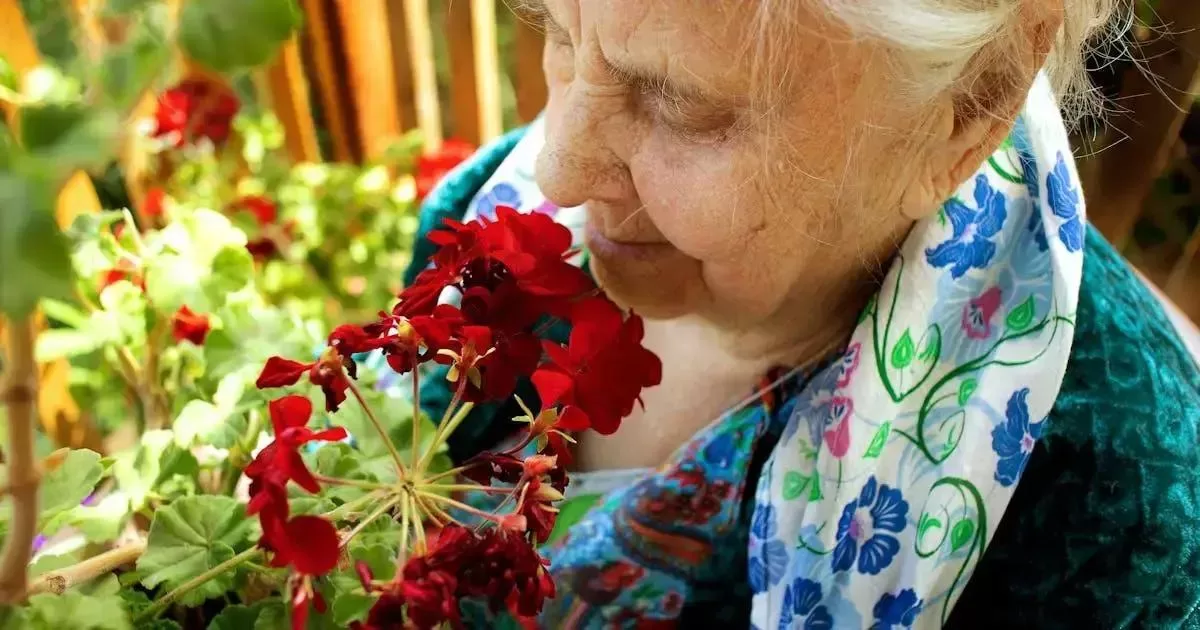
<point x="941" y="39"/>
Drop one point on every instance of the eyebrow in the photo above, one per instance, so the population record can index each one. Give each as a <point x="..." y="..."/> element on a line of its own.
<point x="641" y="78"/>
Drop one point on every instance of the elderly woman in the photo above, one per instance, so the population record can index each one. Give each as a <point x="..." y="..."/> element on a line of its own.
<point x="903" y="383"/>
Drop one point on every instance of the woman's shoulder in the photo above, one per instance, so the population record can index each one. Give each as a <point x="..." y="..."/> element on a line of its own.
<point x="1104" y="528"/>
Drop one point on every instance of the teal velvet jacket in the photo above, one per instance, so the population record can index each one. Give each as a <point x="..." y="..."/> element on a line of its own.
<point x="1104" y="528"/>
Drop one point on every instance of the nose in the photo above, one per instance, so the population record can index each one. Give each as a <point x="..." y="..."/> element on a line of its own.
<point x="580" y="159"/>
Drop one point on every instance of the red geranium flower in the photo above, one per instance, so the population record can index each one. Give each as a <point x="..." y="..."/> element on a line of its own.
<point x="603" y="369"/>
<point x="309" y="544"/>
<point x="196" y="108"/>
<point x="152" y="205"/>
<point x="264" y="210"/>
<point x="431" y="168"/>
<point x="303" y="595"/>
<point x="495" y="565"/>
<point x="327" y="372"/>
<point x="191" y="326"/>
<point x="280" y="461"/>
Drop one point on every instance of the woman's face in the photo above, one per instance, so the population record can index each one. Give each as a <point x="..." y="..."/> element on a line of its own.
<point x="702" y="199"/>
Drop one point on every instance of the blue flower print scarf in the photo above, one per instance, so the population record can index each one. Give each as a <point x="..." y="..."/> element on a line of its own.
<point x="863" y="494"/>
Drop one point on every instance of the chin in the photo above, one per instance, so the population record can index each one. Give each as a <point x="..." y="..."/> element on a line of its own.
<point x="660" y="293"/>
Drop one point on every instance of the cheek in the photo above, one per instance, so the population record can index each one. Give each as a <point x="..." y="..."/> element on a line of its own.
<point x="698" y="196"/>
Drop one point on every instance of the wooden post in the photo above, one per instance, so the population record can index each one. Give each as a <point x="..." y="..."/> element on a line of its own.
<point x="420" y="59"/>
<point x="287" y="93"/>
<point x="529" y="80"/>
<point x="58" y="413"/>
<point x="321" y="31"/>
<point x="474" y="69"/>
<point x="1158" y="96"/>
<point x="371" y="76"/>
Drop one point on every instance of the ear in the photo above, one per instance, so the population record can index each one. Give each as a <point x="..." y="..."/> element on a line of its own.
<point x="970" y="121"/>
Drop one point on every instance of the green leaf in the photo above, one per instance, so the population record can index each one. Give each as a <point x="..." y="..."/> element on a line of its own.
<point x="1020" y="317"/>
<point x="66" y="343"/>
<point x="965" y="390"/>
<point x="125" y="306"/>
<point x="64" y="487"/>
<point x="927" y="522"/>
<point x="878" y="441"/>
<point x="75" y="611"/>
<point x="129" y="68"/>
<point x="8" y="76"/>
<point x="44" y="124"/>
<point x="69" y="136"/>
<point x="157" y="459"/>
<point x="272" y="617"/>
<point x="65" y="313"/>
<point x="229" y="35"/>
<point x="903" y="351"/>
<point x="196" y="422"/>
<point x="33" y="253"/>
<point x="190" y="536"/>
<point x="794" y="485"/>
<point x="961" y="533"/>
<point x="232" y="270"/>
<point x="239" y="617"/>
<point x="350" y="603"/>
<point x="99" y="523"/>
<point x="47" y="563"/>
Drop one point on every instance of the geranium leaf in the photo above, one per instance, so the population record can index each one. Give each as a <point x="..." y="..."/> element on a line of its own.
<point x="65" y="343"/>
<point x="68" y="484"/>
<point x="272" y="617"/>
<point x="197" y="421"/>
<point x="190" y="536"/>
<point x="74" y="610"/>
<point x="33" y="253"/>
<point x="227" y="35"/>
<point x="239" y="617"/>
<point x="350" y="603"/>
<point x="157" y="459"/>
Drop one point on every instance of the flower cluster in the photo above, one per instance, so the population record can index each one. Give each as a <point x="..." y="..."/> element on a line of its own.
<point x="477" y="310"/>
<point x="193" y="109"/>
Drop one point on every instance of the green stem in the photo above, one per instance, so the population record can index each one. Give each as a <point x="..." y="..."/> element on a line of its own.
<point x="460" y="505"/>
<point x="162" y="603"/>
<point x="448" y="473"/>
<point x="464" y="487"/>
<point x="353" y="483"/>
<point x="372" y="517"/>
<point x="416" y="417"/>
<point x="401" y="471"/>
<point x="445" y="430"/>
<point x="351" y="506"/>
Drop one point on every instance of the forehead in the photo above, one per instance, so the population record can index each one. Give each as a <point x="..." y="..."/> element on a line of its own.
<point x="703" y="43"/>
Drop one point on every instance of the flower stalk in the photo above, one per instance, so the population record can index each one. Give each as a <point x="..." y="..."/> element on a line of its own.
<point x="20" y="394"/>
<point x="161" y="604"/>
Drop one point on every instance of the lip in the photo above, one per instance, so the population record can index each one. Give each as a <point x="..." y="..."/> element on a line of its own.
<point x="603" y="247"/>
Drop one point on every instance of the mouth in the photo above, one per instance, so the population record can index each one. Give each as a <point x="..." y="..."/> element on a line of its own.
<point x="604" y="247"/>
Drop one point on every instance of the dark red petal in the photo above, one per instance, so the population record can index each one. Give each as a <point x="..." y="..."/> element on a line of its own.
<point x="289" y="412"/>
<point x="189" y="326"/>
<point x="334" y="434"/>
<point x="315" y="541"/>
<point x="552" y="386"/>
<point x="281" y="372"/>
<point x="298" y="472"/>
